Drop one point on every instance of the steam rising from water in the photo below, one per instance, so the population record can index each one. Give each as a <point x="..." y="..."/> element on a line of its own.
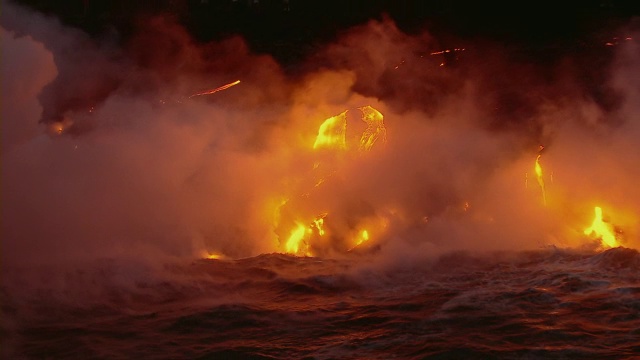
<point x="140" y="170"/>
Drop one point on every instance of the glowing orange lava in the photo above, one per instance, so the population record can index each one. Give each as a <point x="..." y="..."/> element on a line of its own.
<point x="331" y="133"/>
<point x="331" y="136"/>
<point x="319" y="224"/>
<point x="538" y="171"/>
<point x="375" y="128"/>
<point x="602" y="230"/>
<point x="296" y="239"/>
<point x="362" y="237"/>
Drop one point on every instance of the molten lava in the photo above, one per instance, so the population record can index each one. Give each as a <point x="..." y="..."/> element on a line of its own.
<point x="319" y="224"/>
<point x="296" y="240"/>
<point x="538" y="171"/>
<point x="362" y="237"/>
<point x="331" y="133"/>
<point x="375" y="128"/>
<point x="601" y="229"/>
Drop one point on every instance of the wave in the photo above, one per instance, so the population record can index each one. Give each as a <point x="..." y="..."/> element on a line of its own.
<point x="551" y="303"/>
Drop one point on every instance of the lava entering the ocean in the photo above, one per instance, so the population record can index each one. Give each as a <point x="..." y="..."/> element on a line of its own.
<point x="602" y="230"/>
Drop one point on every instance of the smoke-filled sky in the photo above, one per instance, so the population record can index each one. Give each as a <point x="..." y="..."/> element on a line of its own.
<point x="104" y="152"/>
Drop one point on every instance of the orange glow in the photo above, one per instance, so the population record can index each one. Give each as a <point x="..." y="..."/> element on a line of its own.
<point x="319" y="224"/>
<point x="446" y="51"/>
<point x="212" y="91"/>
<point x="331" y="133"/>
<point x="602" y="229"/>
<point x="538" y="170"/>
<point x="362" y="237"/>
<point x="59" y="127"/>
<point x="375" y="128"/>
<point x="213" y="256"/>
<point x="296" y="239"/>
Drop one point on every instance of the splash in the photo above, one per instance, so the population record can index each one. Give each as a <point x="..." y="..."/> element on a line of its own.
<point x="602" y="230"/>
<point x="295" y="244"/>
<point x="539" y="176"/>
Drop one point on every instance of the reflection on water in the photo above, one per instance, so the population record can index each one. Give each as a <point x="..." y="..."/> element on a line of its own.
<point x="544" y="304"/>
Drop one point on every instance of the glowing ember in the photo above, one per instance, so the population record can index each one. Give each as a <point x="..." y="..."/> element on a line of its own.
<point x="212" y="91"/>
<point x="447" y="51"/>
<point x="601" y="229"/>
<point x="375" y="128"/>
<point x="331" y="133"/>
<point x="57" y="128"/>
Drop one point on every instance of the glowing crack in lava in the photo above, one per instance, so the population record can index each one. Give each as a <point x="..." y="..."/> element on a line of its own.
<point x="602" y="230"/>
<point x="331" y="136"/>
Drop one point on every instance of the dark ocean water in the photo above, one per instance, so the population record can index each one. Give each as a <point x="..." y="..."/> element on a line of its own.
<point x="547" y="304"/>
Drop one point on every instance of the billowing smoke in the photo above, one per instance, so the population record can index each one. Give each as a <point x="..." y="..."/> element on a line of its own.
<point x="105" y="153"/>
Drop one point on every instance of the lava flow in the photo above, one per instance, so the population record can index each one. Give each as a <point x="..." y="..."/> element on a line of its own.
<point x="539" y="176"/>
<point x="602" y="230"/>
<point x="331" y="133"/>
<point x="331" y="137"/>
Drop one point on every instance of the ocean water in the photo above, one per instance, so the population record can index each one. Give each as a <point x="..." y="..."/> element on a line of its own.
<point x="545" y="304"/>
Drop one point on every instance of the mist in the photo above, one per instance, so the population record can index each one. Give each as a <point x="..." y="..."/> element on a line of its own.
<point x="106" y="154"/>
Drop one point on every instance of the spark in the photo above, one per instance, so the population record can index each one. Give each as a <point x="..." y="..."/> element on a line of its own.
<point x="212" y="91"/>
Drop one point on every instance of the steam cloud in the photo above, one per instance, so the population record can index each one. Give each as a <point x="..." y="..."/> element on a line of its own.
<point x="141" y="170"/>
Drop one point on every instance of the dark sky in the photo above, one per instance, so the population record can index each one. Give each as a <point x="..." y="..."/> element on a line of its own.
<point x="288" y="29"/>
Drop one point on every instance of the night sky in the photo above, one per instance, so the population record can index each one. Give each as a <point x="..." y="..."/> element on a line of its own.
<point x="290" y="30"/>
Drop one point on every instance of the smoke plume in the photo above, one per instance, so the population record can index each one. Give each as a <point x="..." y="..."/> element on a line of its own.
<point x="105" y="153"/>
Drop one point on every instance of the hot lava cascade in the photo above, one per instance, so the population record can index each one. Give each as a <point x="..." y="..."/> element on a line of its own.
<point x="337" y="141"/>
